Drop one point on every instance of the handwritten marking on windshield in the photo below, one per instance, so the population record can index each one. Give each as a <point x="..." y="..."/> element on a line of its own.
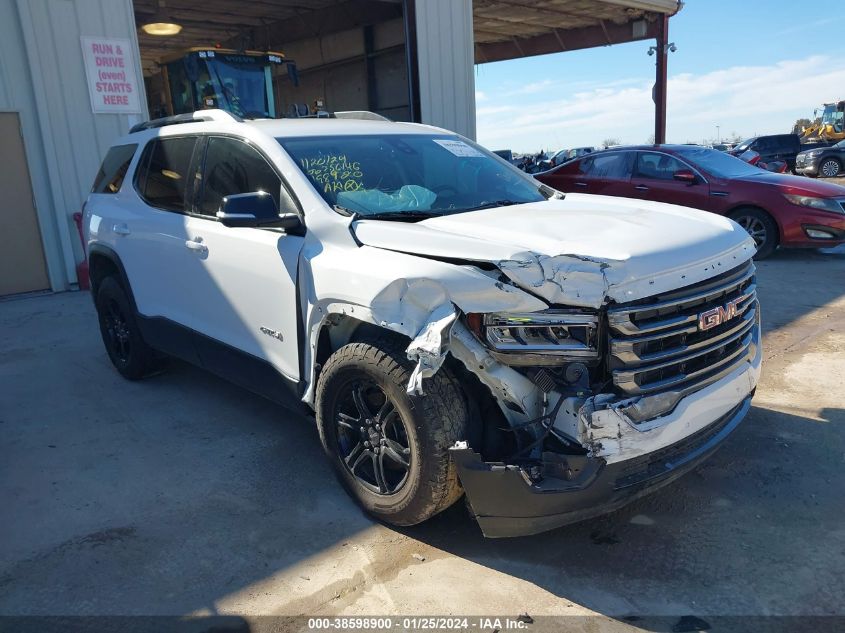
<point x="334" y="172"/>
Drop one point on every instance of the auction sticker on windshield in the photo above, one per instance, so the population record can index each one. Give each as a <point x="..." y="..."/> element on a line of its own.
<point x="459" y="148"/>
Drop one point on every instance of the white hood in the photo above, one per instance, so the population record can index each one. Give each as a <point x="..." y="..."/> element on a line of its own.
<point x="578" y="251"/>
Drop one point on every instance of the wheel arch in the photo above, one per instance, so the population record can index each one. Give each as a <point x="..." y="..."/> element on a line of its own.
<point x="339" y="329"/>
<point x="104" y="262"/>
<point x="750" y="205"/>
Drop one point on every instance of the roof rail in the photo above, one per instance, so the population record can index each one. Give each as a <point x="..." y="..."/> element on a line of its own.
<point x="190" y="117"/>
<point x="361" y="114"/>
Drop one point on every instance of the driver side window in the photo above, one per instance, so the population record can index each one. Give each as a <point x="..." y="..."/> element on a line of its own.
<point x="232" y="166"/>
<point x="657" y="166"/>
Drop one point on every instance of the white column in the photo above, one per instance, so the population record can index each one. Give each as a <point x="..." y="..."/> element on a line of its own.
<point x="446" y="57"/>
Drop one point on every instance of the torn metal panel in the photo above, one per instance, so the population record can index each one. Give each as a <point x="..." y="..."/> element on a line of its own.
<point x="571" y="280"/>
<point x="396" y="291"/>
<point x="429" y="347"/>
<point x="518" y="398"/>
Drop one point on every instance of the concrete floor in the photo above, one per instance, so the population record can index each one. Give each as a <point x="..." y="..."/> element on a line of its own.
<point x="182" y="494"/>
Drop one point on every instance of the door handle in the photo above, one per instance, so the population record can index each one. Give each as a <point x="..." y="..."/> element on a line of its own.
<point x="196" y="245"/>
<point x="580" y="184"/>
<point x="641" y="188"/>
<point x="121" y="229"/>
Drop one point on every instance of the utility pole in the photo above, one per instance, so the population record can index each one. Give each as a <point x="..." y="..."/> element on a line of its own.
<point x="662" y="49"/>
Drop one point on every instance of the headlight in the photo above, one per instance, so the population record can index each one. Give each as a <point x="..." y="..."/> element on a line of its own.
<point x="552" y="337"/>
<point x="825" y="204"/>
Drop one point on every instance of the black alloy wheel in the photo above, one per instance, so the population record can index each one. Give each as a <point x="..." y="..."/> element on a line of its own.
<point x="372" y="439"/>
<point x="118" y="341"/>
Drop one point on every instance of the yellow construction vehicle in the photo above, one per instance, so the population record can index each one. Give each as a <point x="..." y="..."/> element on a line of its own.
<point x="201" y="78"/>
<point x="831" y="125"/>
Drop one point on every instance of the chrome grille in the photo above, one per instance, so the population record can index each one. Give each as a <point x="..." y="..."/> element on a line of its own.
<point x="658" y="344"/>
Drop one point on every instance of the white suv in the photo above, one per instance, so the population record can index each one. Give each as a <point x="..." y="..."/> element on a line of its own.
<point x="454" y="325"/>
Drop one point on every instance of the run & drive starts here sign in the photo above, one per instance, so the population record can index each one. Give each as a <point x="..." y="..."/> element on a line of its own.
<point x="110" y="69"/>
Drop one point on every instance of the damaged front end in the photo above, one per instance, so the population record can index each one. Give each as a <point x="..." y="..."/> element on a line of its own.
<point x="594" y="407"/>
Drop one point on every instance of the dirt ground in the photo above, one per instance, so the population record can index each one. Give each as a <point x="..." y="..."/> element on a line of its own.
<point x="183" y="494"/>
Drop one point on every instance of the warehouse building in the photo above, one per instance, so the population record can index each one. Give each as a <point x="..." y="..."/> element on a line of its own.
<point x="76" y="74"/>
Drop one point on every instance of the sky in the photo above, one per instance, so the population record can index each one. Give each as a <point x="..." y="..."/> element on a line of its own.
<point x="749" y="67"/>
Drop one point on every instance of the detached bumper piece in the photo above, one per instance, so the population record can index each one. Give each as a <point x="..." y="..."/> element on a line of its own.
<point x="518" y="500"/>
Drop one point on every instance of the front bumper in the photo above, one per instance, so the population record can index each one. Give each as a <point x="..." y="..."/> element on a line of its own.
<point x="512" y="500"/>
<point x="797" y="219"/>
<point x="807" y="166"/>
<point x="507" y="503"/>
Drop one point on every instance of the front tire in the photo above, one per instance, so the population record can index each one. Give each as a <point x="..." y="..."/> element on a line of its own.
<point x="830" y="168"/>
<point x="126" y="348"/>
<point x="761" y="227"/>
<point x="390" y="450"/>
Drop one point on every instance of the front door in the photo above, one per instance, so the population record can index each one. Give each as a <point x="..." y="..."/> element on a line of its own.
<point x="654" y="179"/>
<point x="22" y="265"/>
<point x="243" y="280"/>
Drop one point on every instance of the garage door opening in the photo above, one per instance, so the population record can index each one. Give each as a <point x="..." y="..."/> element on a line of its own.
<point x="275" y="58"/>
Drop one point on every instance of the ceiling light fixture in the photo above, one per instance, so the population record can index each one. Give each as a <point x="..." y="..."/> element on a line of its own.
<point x="161" y="23"/>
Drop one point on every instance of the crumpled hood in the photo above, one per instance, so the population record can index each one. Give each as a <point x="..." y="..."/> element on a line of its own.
<point x="578" y="251"/>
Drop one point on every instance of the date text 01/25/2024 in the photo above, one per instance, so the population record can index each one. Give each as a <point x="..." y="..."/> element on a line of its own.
<point x="421" y="623"/>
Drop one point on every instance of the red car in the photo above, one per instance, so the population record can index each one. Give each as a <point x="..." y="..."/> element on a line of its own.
<point x="775" y="209"/>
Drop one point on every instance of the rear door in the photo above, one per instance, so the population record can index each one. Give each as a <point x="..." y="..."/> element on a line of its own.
<point x="654" y="179"/>
<point x="608" y="173"/>
<point x="601" y="173"/>
<point x="150" y="235"/>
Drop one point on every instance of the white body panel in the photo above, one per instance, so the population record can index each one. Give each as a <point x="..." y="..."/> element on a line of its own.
<point x="583" y="251"/>
<point x="243" y="282"/>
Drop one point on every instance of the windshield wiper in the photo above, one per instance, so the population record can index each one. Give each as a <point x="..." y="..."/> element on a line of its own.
<point x="386" y="215"/>
<point x="347" y="212"/>
<point x="494" y="203"/>
<point x="398" y="215"/>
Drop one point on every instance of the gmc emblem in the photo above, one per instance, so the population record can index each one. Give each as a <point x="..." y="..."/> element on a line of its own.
<point x="719" y="315"/>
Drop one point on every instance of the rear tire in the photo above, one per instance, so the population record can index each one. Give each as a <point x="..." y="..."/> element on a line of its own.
<point x="761" y="227"/>
<point x="126" y="348"/>
<point x="830" y="168"/>
<point x="390" y="450"/>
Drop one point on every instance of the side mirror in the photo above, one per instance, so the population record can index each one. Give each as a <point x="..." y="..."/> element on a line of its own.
<point x="685" y="175"/>
<point x="256" y="209"/>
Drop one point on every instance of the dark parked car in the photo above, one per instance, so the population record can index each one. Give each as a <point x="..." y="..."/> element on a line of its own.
<point x="775" y="209"/>
<point x="822" y="161"/>
<point x="775" y="147"/>
<point x="565" y="155"/>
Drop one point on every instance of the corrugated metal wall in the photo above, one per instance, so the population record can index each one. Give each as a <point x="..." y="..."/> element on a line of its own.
<point x="43" y="78"/>
<point x="446" y="64"/>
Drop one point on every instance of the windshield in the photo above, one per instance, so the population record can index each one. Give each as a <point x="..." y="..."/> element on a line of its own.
<point x="834" y="118"/>
<point x="745" y="144"/>
<point x="718" y="163"/>
<point x="412" y="174"/>
<point x="235" y="83"/>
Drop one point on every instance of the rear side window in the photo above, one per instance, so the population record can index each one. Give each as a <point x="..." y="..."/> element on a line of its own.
<point x="616" y="165"/>
<point x="113" y="170"/>
<point x="163" y="178"/>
